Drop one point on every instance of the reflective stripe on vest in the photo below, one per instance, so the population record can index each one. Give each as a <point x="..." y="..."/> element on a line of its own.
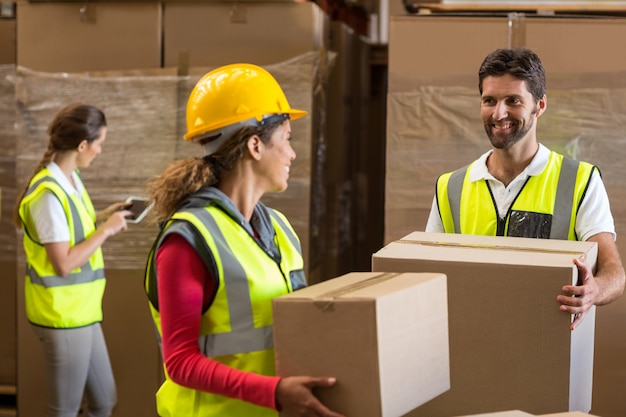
<point x="51" y="300"/>
<point x="243" y="337"/>
<point x="86" y="273"/>
<point x="563" y="218"/>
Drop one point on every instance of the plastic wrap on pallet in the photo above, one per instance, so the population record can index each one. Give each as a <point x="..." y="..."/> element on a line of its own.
<point x="146" y="121"/>
<point x="7" y="163"/>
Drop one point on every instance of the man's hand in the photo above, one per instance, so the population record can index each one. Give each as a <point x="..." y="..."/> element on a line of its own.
<point x="295" y="396"/>
<point x="578" y="299"/>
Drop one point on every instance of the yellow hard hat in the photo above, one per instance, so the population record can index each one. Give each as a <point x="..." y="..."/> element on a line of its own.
<point x="234" y="94"/>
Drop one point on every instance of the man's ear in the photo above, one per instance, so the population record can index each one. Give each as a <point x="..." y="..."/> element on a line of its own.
<point x="255" y="147"/>
<point x="542" y="104"/>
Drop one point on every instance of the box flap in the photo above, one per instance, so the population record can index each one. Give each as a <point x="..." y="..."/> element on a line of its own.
<point x="512" y="413"/>
<point x="358" y="285"/>
<point x="480" y="249"/>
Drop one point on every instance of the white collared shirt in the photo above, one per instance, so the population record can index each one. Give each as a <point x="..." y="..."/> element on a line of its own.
<point x="594" y="215"/>
<point x="50" y="219"/>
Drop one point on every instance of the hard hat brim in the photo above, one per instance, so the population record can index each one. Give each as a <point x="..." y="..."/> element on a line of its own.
<point x="294" y="114"/>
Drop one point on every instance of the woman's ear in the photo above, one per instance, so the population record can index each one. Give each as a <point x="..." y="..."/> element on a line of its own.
<point x="82" y="146"/>
<point x="255" y="147"/>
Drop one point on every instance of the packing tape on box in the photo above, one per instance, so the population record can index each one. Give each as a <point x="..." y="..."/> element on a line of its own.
<point x="491" y="247"/>
<point x="326" y="301"/>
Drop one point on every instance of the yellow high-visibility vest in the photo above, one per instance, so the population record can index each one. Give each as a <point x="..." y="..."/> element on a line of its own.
<point x="545" y="207"/>
<point x="237" y="328"/>
<point x="51" y="300"/>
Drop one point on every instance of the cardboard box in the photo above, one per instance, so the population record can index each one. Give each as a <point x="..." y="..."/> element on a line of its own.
<point x="7" y="41"/>
<point x="250" y="32"/>
<point x="573" y="46"/>
<point x="517" y="413"/>
<point x="384" y="336"/>
<point x="510" y="345"/>
<point x="512" y="413"/>
<point x="73" y="37"/>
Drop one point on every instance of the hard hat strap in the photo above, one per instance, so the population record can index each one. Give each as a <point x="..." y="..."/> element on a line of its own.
<point x="273" y="118"/>
<point x="211" y="141"/>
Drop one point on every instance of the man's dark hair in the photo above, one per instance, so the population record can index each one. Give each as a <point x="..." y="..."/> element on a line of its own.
<point x="521" y="63"/>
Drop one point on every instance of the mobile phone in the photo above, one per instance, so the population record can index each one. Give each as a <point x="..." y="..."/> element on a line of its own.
<point x="139" y="208"/>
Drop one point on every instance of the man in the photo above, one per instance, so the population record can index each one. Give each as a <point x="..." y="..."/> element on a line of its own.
<point x="521" y="188"/>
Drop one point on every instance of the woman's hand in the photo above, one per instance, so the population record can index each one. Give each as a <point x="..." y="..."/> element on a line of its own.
<point x="294" y="396"/>
<point x="116" y="222"/>
<point x="103" y="215"/>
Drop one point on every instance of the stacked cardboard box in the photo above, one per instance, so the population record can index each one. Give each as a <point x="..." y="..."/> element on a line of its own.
<point x="71" y="37"/>
<point x="510" y="345"/>
<point x="227" y="32"/>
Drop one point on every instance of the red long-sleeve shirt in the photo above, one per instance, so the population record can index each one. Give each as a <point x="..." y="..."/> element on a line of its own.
<point x="185" y="286"/>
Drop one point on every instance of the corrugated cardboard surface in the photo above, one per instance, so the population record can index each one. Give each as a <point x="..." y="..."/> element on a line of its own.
<point x="512" y="413"/>
<point x="510" y="346"/>
<point x="383" y="336"/>
<point x="517" y="413"/>
<point x="224" y="32"/>
<point x="88" y="36"/>
<point x="565" y="45"/>
<point x="609" y="367"/>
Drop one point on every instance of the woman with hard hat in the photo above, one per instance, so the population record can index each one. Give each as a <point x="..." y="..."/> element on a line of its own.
<point x="65" y="279"/>
<point x="222" y="255"/>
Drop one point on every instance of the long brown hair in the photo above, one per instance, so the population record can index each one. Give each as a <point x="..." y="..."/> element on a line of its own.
<point x="184" y="177"/>
<point x="73" y="124"/>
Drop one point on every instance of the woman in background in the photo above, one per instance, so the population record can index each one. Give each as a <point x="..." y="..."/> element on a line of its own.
<point x="222" y="255"/>
<point x="65" y="280"/>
